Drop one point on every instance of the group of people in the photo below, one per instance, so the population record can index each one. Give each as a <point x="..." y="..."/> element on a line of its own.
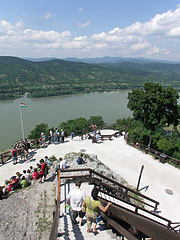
<point x="24" y="179"/>
<point x="56" y="136"/>
<point x="82" y="205"/>
<point x="21" y="150"/>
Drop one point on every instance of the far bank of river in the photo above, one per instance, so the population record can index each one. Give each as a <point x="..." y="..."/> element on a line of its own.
<point x="54" y="110"/>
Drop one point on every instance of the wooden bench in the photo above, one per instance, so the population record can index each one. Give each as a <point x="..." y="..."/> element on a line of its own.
<point x="118" y="134"/>
<point x="103" y="137"/>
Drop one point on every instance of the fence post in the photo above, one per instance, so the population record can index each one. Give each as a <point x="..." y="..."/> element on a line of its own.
<point x="2" y="159"/>
<point x="137" y="188"/>
<point x="58" y="193"/>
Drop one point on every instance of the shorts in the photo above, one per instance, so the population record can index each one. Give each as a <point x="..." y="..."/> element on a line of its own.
<point x="75" y="214"/>
<point x="14" y="158"/>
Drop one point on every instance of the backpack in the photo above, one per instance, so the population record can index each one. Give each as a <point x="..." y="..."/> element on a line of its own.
<point x="14" y="153"/>
<point x="45" y="172"/>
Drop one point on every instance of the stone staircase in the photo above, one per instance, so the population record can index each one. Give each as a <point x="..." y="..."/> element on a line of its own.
<point x="69" y="231"/>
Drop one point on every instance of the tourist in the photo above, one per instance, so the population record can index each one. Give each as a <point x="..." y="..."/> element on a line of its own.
<point x="80" y="160"/>
<point x="63" y="163"/>
<point x="51" y="135"/>
<point x="97" y="137"/>
<point x="35" y="174"/>
<point x="93" y="207"/>
<point x="7" y="187"/>
<point x="38" y="167"/>
<point x="76" y="198"/>
<point x="62" y="135"/>
<point x="58" y="136"/>
<point x="44" y="170"/>
<point x="94" y="128"/>
<point x="18" y="176"/>
<point x="72" y="135"/>
<point x="55" y="137"/>
<point x="37" y="143"/>
<point x="26" y="149"/>
<point x="31" y="169"/>
<point x="14" y="155"/>
<point x="40" y="141"/>
<point x="24" y="182"/>
<point x="48" y="161"/>
<point x="15" y="182"/>
<point x="26" y="175"/>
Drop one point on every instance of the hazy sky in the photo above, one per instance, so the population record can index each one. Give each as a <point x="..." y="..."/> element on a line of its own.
<point x="90" y="28"/>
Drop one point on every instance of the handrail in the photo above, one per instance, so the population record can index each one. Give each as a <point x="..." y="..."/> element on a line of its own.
<point x="156" y="153"/>
<point x="54" y="229"/>
<point x="90" y="178"/>
<point x="118" y="215"/>
<point x="127" y="189"/>
<point x="148" y="227"/>
<point x="6" y="155"/>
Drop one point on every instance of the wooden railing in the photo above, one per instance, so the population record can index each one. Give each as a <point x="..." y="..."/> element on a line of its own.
<point x="158" y="155"/>
<point x="113" y="188"/>
<point x="128" y="223"/>
<point x="5" y="156"/>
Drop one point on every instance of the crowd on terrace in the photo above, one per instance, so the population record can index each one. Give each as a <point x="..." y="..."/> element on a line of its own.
<point x="26" y="177"/>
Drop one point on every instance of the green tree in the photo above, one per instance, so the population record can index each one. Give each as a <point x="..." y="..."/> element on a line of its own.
<point x="76" y="125"/>
<point x="123" y="124"/>
<point x="154" y="106"/>
<point x="36" y="133"/>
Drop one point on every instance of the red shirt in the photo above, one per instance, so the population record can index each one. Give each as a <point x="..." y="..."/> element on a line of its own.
<point x="14" y="152"/>
<point x="35" y="175"/>
<point x="42" y="168"/>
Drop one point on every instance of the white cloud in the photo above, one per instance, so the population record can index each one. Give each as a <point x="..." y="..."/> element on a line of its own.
<point x="84" y="25"/>
<point x="139" y="39"/>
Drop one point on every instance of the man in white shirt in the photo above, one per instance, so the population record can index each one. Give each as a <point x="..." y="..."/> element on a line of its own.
<point x="76" y="197"/>
<point x="63" y="163"/>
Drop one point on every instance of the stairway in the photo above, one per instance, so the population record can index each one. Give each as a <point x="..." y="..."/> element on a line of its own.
<point x="69" y="231"/>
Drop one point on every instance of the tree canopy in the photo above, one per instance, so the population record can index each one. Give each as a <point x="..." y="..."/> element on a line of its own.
<point x="155" y="106"/>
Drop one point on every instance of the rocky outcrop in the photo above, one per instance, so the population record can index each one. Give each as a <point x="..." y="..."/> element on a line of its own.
<point x="27" y="214"/>
<point x="94" y="163"/>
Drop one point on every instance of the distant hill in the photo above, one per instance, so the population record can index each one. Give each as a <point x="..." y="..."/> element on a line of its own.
<point x="117" y="60"/>
<point x="59" y="77"/>
<point x="106" y="59"/>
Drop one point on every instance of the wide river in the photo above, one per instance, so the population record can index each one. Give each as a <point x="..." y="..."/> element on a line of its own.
<point x="54" y="110"/>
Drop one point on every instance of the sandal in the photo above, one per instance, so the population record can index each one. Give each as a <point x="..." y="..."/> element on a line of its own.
<point x="95" y="232"/>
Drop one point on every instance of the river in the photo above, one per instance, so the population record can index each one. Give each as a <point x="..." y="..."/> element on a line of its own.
<point x="54" y="110"/>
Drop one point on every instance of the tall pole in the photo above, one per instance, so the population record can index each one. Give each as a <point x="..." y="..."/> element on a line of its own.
<point x="137" y="188"/>
<point x="21" y="121"/>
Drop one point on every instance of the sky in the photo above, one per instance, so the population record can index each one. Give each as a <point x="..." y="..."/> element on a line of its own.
<point x="90" y="28"/>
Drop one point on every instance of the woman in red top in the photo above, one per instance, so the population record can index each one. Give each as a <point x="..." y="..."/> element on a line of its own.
<point x="43" y="171"/>
<point x="35" y="174"/>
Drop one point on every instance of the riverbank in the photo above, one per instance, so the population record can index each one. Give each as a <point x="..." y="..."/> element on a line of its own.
<point x="124" y="160"/>
<point x="44" y="110"/>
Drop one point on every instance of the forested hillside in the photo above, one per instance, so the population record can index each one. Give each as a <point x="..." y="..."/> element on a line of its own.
<point x="58" y="77"/>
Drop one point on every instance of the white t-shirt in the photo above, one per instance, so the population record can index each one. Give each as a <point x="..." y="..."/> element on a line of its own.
<point x="27" y="176"/>
<point x="63" y="164"/>
<point x="77" y="197"/>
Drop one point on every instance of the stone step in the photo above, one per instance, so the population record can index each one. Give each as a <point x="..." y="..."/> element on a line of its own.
<point x="67" y="230"/>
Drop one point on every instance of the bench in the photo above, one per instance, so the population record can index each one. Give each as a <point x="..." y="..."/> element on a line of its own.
<point x="118" y="134"/>
<point x="103" y="137"/>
